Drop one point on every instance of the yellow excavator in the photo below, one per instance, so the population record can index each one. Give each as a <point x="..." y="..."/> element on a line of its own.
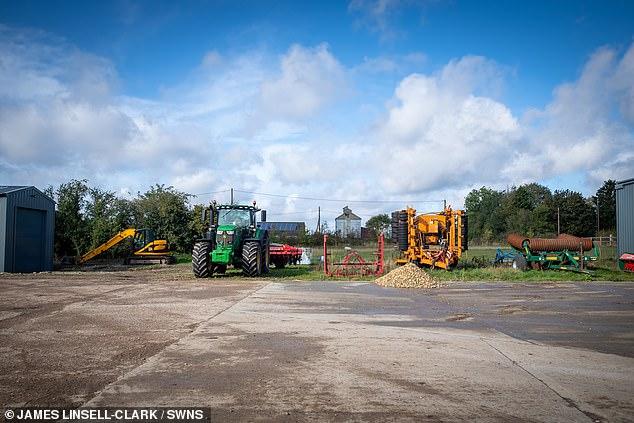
<point x="146" y="249"/>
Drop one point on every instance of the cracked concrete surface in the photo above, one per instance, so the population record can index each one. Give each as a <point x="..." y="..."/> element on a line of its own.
<point x="306" y="351"/>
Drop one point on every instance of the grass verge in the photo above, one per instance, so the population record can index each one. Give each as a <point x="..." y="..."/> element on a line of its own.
<point x="606" y="271"/>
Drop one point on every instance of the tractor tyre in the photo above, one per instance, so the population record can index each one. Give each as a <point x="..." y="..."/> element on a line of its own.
<point x="519" y="262"/>
<point x="402" y="233"/>
<point x="266" y="256"/>
<point x="252" y="259"/>
<point x="394" y="223"/>
<point x="201" y="260"/>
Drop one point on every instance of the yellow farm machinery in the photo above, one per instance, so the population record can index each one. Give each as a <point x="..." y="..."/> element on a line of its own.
<point x="145" y="249"/>
<point x="430" y="239"/>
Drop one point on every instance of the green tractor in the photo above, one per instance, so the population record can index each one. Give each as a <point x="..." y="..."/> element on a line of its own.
<point x="233" y="238"/>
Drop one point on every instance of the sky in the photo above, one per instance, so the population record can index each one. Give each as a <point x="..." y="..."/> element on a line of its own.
<point x="323" y="104"/>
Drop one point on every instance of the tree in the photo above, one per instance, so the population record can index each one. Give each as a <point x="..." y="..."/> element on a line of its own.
<point x="72" y="236"/>
<point x="526" y="210"/>
<point x="576" y="214"/>
<point x="105" y="216"/>
<point x="485" y="214"/>
<point x="379" y="223"/>
<point x="100" y="216"/>
<point x="165" y="210"/>
<point x="196" y="224"/>
<point x="605" y="199"/>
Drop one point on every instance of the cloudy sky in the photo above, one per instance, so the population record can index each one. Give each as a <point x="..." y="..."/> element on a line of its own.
<point x="321" y="104"/>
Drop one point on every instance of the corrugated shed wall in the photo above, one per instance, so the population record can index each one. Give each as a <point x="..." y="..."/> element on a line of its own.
<point x="625" y="216"/>
<point x="30" y="198"/>
<point x="3" y="230"/>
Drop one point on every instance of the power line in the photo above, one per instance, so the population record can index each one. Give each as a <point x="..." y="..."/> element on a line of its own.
<point x="212" y="192"/>
<point x="337" y="200"/>
<point x="295" y="212"/>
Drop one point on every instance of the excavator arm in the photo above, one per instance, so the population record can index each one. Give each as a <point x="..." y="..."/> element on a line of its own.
<point x="124" y="234"/>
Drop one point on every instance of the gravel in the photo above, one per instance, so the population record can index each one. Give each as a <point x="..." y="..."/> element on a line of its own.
<point x="408" y="276"/>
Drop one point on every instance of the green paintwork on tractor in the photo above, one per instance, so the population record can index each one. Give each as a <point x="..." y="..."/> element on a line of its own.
<point x="229" y="237"/>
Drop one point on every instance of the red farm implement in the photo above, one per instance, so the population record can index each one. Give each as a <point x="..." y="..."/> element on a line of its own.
<point x="626" y="262"/>
<point x="283" y="254"/>
<point x="353" y="264"/>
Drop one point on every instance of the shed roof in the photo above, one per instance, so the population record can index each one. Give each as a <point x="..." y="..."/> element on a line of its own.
<point x="9" y="189"/>
<point x="283" y="226"/>
<point x="5" y="189"/>
<point x="347" y="215"/>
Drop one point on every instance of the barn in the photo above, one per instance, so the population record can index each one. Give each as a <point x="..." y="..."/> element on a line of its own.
<point x="290" y="229"/>
<point x="27" y="229"/>
<point x="625" y="216"/>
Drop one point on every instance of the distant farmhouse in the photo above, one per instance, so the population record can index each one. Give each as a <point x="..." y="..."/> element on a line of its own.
<point x="285" y="229"/>
<point x="348" y="224"/>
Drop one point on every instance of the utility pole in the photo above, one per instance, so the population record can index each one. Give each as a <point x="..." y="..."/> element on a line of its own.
<point x="558" y="230"/>
<point x="444" y="204"/>
<point x="231" y="196"/>
<point x="597" y="216"/>
<point x="318" y="220"/>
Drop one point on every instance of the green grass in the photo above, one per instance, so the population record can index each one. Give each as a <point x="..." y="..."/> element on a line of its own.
<point x="512" y="275"/>
<point x="498" y="274"/>
<point x="468" y="269"/>
<point x="183" y="258"/>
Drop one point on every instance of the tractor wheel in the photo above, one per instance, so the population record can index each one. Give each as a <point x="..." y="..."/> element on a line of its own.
<point x="201" y="260"/>
<point x="266" y="257"/>
<point x="252" y="259"/>
<point x="519" y="262"/>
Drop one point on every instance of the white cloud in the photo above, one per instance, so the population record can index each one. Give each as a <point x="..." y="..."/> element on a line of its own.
<point x="447" y="129"/>
<point x="286" y="125"/>
<point x="309" y="80"/>
<point x="587" y="127"/>
<point x="437" y="134"/>
<point x="59" y="110"/>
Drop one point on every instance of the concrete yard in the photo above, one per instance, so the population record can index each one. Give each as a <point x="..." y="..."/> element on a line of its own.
<point x="297" y="351"/>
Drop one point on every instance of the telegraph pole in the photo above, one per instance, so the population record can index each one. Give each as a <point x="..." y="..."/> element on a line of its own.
<point x="318" y="220"/>
<point x="558" y="231"/>
<point x="231" y="196"/>
<point x="597" y="216"/>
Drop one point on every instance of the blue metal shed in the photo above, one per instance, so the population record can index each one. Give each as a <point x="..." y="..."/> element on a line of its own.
<point x="625" y="216"/>
<point x="27" y="229"/>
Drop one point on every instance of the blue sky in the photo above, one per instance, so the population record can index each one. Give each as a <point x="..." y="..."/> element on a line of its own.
<point x="544" y="43"/>
<point x="296" y="97"/>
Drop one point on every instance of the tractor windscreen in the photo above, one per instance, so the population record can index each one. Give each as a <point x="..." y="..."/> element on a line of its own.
<point x="234" y="217"/>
